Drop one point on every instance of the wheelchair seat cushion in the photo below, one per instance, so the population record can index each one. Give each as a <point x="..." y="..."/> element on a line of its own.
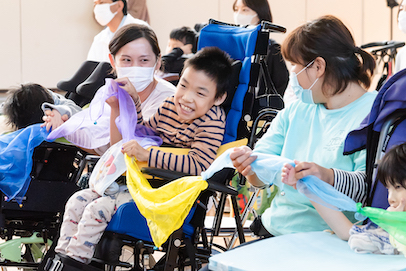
<point x="129" y="221"/>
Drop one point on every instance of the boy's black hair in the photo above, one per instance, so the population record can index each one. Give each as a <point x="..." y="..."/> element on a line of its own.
<point x="23" y="105"/>
<point x="392" y="169"/>
<point x="186" y="35"/>
<point x="215" y="63"/>
<point x="124" y="7"/>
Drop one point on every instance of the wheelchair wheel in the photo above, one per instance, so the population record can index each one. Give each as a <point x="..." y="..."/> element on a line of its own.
<point x="34" y="252"/>
<point x="32" y="255"/>
<point x="24" y="253"/>
<point x="127" y="258"/>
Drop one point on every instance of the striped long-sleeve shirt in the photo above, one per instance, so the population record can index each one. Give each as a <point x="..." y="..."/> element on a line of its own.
<point x="352" y="184"/>
<point x="203" y="136"/>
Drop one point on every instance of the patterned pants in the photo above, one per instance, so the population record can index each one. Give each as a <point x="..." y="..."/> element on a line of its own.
<point x="86" y="217"/>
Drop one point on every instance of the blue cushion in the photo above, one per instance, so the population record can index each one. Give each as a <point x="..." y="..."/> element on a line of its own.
<point x="128" y="220"/>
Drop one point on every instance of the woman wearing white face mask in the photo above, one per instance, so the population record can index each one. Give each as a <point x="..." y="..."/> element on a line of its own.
<point x="113" y="15"/>
<point x="134" y="54"/>
<point x="400" y="62"/>
<point x="330" y="76"/>
<point x="252" y="12"/>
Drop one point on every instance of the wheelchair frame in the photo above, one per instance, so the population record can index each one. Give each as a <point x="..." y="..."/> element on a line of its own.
<point x="202" y="248"/>
<point x="386" y="54"/>
<point x="175" y="241"/>
<point x="36" y="222"/>
<point x="183" y="251"/>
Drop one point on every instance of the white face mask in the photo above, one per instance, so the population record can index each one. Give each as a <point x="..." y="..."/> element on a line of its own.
<point x="103" y="13"/>
<point x="305" y="95"/>
<point x="402" y="21"/>
<point x="140" y="77"/>
<point x="243" y="19"/>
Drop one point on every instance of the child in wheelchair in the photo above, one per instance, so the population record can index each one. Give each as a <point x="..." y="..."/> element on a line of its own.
<point x="192" y="118"/>
<point x="181" y="46"/>
<point x="23" y="107"/>
<point x="370" y="238"/>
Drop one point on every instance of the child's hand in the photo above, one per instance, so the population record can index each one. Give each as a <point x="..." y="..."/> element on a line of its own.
<point x="127" y="86"/>
<point x="53" y="119"/>
<point x="132" y="148"/>
<point x="304" y="169"/>
<point x="288" y="175"/>
<point x="400" y="208"/>
<point x="242" y="160"/>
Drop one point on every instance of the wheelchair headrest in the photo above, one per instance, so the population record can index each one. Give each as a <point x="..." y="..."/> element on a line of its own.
<point x="238" y="42"/>
<point x="233" y="84"/>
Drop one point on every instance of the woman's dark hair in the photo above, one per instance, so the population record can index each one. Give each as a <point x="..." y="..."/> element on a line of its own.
<point x="23" y="105"/>
<point x="131" y="32"/>
<point x="392" y="168"/>
<point x="261" y="7"/>
<point x="329" y="38"/>
<point x="215" y="63"/>
<point x="124" y="7"/>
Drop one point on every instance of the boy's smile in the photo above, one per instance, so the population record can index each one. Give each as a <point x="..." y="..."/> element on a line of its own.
<point x="195" y="95"/>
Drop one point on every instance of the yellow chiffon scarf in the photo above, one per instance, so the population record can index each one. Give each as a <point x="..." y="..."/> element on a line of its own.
<point x="165" y="208"/>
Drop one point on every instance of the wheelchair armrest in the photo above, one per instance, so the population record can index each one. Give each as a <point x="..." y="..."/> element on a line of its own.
<point x="165" y="174"/>
<point x="213" y="186"/>
<point x="219" y="181"/>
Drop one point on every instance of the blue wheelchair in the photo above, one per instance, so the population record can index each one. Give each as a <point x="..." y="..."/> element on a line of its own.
<point x="127" y="234"/>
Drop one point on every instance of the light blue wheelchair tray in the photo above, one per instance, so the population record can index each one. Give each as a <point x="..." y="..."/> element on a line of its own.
<point x="303" y="251"/>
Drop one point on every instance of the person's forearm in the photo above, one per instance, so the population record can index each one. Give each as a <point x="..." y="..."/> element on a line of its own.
<point x="336" y="220"/>
<point x="115" y="135"/>
<point x="255" y="181"/>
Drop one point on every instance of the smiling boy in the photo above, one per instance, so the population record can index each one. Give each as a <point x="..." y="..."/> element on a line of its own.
<point x="192" y="118"/>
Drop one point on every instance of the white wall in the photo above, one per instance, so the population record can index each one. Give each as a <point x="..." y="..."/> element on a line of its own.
<point x="46" y="40"/>
<point x="10" y="45"/>
<point x="369" y="20"/>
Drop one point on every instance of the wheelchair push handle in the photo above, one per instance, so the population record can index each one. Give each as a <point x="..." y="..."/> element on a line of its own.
<point x="373" y="44"/>
<point x="265" y="26"/>
<point x="385" y="45"/>
<point x="391" y="46"/>
<point x="270" y="27"/>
